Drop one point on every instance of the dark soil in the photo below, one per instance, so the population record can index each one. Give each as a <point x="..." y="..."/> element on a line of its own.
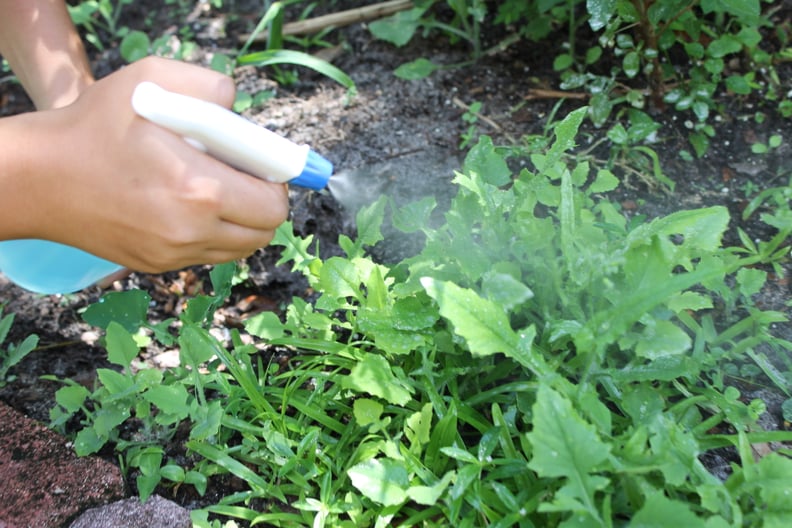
<point x="402" y="138"/>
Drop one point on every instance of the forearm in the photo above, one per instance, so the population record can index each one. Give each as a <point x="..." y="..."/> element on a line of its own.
<point x="39" y="41"/>
<point x="23" y="154"/>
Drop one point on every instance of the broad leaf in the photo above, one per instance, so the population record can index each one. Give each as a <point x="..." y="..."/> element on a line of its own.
<point x="383" y="481"/>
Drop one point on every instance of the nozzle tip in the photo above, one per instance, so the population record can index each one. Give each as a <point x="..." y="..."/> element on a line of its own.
<point x="316" y="173"/>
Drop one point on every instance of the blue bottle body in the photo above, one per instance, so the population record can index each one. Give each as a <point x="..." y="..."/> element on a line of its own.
<point x="48" y="267"/>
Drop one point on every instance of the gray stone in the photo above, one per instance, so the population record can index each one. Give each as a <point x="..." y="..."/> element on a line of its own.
<point x="156" y="512"/>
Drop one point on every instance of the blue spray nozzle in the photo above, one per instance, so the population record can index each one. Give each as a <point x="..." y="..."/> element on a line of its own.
<point x="315" y="174"/>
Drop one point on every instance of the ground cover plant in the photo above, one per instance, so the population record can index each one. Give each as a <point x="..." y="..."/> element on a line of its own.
<point x="548" y="358"/>
<point x="542" y="362"/>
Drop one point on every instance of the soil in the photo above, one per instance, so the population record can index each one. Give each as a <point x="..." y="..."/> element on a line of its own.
<point x="396" y="137"/>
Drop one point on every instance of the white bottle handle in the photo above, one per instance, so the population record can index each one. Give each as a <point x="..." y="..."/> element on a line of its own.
<point x="225" y="135"/>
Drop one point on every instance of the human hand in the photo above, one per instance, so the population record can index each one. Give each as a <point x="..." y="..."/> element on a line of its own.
<point x="124" y="189"/>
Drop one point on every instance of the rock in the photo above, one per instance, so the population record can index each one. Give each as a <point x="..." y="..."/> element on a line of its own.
<point x="156" y="512"/>
<point x="43" y="483"/>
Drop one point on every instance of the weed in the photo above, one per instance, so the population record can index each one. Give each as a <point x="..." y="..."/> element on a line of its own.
<point x="541" y="362"/>
<point x="12" y="354"/>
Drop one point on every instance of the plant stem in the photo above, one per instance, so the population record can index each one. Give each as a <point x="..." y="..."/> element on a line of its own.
<point x="650" y="37"/>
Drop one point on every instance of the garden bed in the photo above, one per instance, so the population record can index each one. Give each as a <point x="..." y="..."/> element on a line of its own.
<point x="402" y="138"/>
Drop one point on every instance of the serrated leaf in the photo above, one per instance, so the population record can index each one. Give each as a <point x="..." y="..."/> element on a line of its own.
<point x="295" y="248"/>
<point x="484" y="325"/>
<point x="369" y="223"/>
<point x="339" y="278"/>
<point x="565" y="132"/>
<point x="383" y="481"/>
<point x="565" y="445"/>
<point x="206" y="419"/>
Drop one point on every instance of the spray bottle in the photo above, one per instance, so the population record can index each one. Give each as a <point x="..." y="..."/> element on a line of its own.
<point x="48" y="267"/>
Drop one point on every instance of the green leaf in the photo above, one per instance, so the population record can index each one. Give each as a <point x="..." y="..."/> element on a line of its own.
<point x="600" y="12"/>
<point x="235" y="467"/>
<point x="565" y="132"/>
<point x="367" y="411"/>
<point x="206" y="419"/>
<point x="746" y="11"/>
<point x="418" y="427"/>
<point x="484" y="325"/>
<point x="488" y="164"/>
<point x="751" y="281"/>
<point x="266" y="325"/>
<point x="72" y="397"/>
<point x="339" y="278"/>
<point x="786" y="410"/>
<point x="88" y="442"/>
<point x="295" y="248"/>
<point x="127" y="308"/>
<point x="661" y="512"/>
<point x="373" y="375"/>
<point x="662" y="338"/>
<point x="738" y="84"/>
<point x="297" y="58"/>
<point x="504" y="290"/>
<point x="604" y="182"/>
<point x="369" y="223"/>
<point x="398" y="29"/>
<point x="116" y="383"/>
<point x="631" y="64"/>
<point x="383" y="481"/>
<point x="564" y="445"/>
<point x="724" y="45"/>
<point x="170" y="399"/>
<point x="415" y="215"/>
<point x="16" y="353"/>
<point x="193" y="347"/>
<point x="134" y="46"/>
<point x="121" y="346"/>
<point x="415" y="70"/>
<point x="429" y="495"/>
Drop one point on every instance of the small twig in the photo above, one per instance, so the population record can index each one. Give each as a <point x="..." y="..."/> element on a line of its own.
<point x="495" y="126"/>
<point x="335" y="20"/>
<point x="503" y="45"/>
<point x="542" y="93"/>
